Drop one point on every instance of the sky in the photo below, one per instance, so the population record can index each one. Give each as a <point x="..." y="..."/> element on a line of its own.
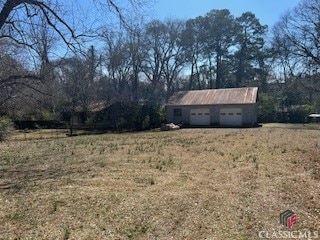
<point x="267" y="11"/>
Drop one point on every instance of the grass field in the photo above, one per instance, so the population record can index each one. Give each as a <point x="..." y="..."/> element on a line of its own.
<point x="186" y="184"/>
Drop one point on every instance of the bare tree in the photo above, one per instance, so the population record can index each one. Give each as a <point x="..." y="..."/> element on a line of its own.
<point x="298" y="33"/>
<point x="19" y="18"/>
<point x="77" y="83"/>
<point x="13" y="77"/>
<point x="155" y="42"/>
<point x="136" y="53"/>
<point x="296" y="42"/>
<point x="162" y="60"/>
<point x="118" y="63"/>
<point x="175" y="57"/>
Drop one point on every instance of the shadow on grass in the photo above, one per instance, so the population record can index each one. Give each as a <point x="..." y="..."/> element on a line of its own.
<point x="16" y="180"/>
<point x="294" y="126"/>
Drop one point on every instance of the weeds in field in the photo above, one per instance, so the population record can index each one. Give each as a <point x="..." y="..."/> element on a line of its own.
<point x="220" y="153"/>
<point x="113" y="147"/>
<point x="139" y="148"/>
<point x="18" y="217"/>
<point x="102" y="164"/>
<point x="66" y="233"/>
<point x="145" y="180"/>
<point x="188" y="184"/>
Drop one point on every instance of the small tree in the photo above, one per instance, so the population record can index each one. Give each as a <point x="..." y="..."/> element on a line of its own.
<point x="6" y="125"/>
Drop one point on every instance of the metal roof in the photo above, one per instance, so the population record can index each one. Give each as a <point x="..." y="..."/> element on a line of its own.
<point x="247" y="95"/>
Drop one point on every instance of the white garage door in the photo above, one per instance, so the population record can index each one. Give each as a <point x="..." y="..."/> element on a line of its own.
<point x="200" y="116"/>
<point x="231" y="116"/>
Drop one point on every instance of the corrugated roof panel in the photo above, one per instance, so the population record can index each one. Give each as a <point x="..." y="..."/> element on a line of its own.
<point x="215" y="96"/>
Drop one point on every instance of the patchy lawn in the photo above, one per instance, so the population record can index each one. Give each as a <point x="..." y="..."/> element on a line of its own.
<point x="187" y="184"/>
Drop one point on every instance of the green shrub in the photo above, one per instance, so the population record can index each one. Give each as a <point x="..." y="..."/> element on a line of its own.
<point x="299" y="114"/>
<point x="267" y="108"/>
<point x="129" y="116"/>
<point x="6" y="125"/>
<point x="146" y="122"/>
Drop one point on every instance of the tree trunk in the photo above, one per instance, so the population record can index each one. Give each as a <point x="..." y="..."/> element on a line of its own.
<point x="191" y="77"/>
<point x="218" y="78"/>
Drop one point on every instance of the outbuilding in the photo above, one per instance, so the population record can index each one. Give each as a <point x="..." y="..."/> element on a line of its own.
<point x="214" y="107"/>
<point x="314" y="118"/>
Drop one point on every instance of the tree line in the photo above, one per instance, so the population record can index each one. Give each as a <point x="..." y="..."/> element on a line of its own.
<point x="143" y="63"/>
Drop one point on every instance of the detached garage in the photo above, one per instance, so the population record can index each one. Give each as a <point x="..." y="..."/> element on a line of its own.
<point x="214" y="107"/>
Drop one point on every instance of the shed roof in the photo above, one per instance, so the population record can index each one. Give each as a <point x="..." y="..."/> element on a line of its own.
<point x="246" y="95"/>
<point x="314" y="115"/>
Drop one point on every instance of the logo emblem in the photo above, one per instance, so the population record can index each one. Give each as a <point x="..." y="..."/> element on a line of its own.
<point x="288" y="218"/>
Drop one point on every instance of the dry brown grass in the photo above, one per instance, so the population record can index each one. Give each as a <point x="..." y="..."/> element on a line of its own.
<point x="187" y="184"/>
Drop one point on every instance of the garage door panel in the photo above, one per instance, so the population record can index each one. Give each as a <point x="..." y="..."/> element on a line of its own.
<point x="231" y="116"/>
<point x="200" y="116"/>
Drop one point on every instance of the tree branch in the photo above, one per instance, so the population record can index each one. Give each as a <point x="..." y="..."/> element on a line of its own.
<point x="12" y="80"/>
<point x="7" y="9"/>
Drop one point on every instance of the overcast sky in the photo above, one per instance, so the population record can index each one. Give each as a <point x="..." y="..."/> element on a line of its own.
<point x="267" y="11"/>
